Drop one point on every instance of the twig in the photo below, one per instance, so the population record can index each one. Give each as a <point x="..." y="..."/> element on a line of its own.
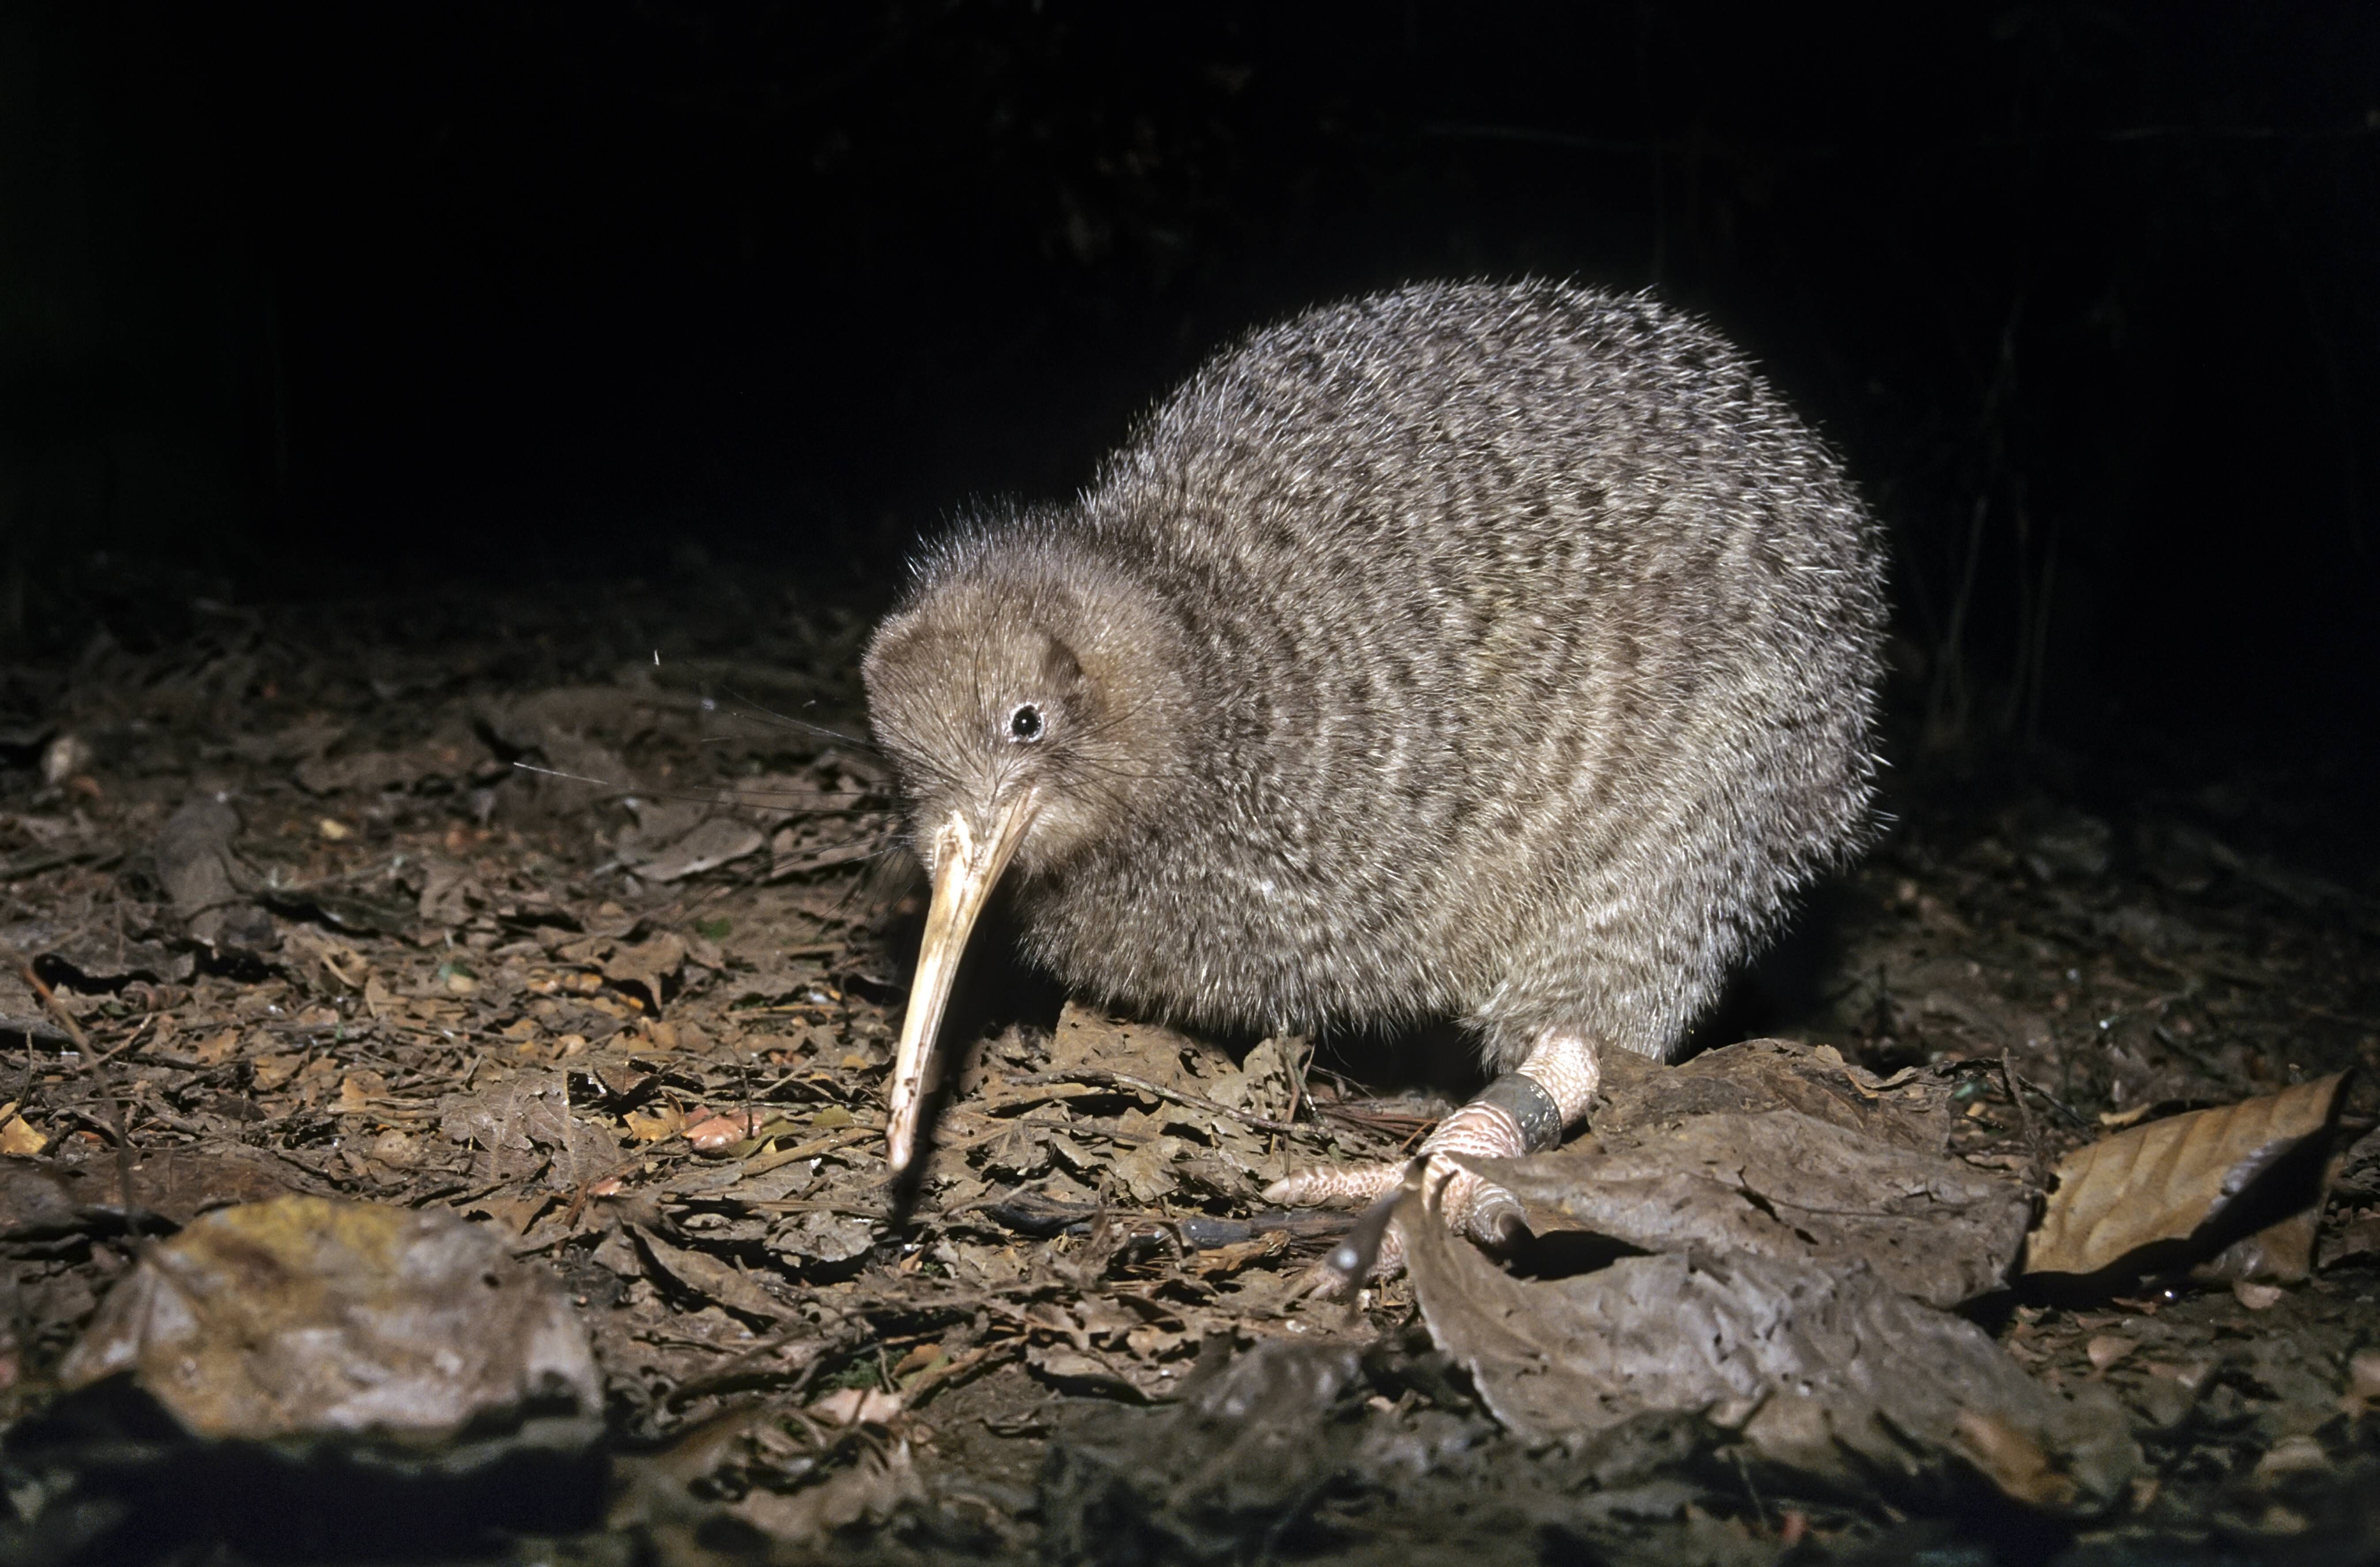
<point x="2053" y="1101"/>
<point x="49" y="999"/>
<point x="130" y="1040"/>
<point x="931" y="1380"/>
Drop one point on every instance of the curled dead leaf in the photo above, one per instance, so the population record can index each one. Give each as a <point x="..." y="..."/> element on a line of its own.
<point x="2299" y="1454"/>
<point x="1845" y="1379"/>
<point x="2174" y="1183"/>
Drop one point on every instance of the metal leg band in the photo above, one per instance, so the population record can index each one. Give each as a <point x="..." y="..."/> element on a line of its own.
<point x="1533" y="1109"/>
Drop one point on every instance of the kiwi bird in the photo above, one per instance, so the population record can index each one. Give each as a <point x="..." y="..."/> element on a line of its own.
<point x="1499" y="653"/>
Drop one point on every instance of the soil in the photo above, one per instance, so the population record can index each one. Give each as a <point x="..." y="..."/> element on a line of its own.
<point x="634" y="1010"/>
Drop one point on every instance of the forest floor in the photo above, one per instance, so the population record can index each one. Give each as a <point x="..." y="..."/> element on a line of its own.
<point x="639" y="1028"/>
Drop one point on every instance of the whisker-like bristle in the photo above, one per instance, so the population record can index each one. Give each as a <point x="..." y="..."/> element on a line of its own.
<point x="786" y="721"/>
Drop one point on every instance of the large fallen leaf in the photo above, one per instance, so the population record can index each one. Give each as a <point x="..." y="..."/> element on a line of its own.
<point x="1771" y="1148"/>
<point x="1782" y="1185"/>
<point x="18" y="1138"/>
<point x="1822" y="1370"/>
<point x="1911" y="1109"/>
<point x="2178" y="1188"/>
<point x="795" y="1480"/>
<point x="41" y="1199"/>
<point x="305" y="1317"/>
<point x="451" y="758"/>
<point x="97" y="951"/>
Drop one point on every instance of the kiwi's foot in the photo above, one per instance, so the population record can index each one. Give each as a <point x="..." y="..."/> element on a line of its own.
<point x="1523" y="1112"/>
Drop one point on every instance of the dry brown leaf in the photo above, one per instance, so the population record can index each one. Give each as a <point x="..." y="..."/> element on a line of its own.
<point x="709" y="846"/>
<point x="2298" y="1455"/>
<point x="2363" y="1382"/>
<point x="1255" y="1438"/>
<point x="2169" y="1183"/>
<point x="667" y="1121"/>
<point x="511" y="1119"/>
<point x="1828" y="1373"/>
<point x="178" y="1184"/>
<point x="204" y="877"/>
<point x="304" y="1316"/>
<point x="872" y="1491"/>
<point x="1223" y="1261"/>
<point x="18" y="1138"/>
<point x="2281" y="1253"/>
<point x="708" y="1276"/>
<point x="1099" y="1372"/>
<point x="1907" y="1109"/>
<point x="1087" y="1037"/>
<point x="1774" y="1149"/>
<point x="647" y="964"/>
<point x="359" y="1090"/>
<point x="719" y="1131"/>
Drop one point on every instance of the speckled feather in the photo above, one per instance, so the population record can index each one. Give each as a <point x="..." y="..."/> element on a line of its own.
<point x="1505" y="653"/>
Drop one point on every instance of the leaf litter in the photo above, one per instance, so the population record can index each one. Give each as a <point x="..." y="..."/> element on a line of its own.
<point x="286" y="923"/>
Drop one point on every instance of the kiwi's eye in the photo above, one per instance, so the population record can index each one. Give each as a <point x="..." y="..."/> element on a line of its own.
<point x="1025" y="723"/>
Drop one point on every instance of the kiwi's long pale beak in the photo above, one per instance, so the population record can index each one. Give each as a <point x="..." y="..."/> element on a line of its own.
<point x="967" y="864"/>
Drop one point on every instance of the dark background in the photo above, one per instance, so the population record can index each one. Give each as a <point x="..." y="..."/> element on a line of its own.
<point x="316" y="299"/>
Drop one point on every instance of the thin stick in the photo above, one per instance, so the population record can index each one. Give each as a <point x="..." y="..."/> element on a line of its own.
<point x="49" y="999"/>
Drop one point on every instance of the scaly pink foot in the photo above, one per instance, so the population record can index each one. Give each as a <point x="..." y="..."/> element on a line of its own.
<point x="1525" y="1111"/>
